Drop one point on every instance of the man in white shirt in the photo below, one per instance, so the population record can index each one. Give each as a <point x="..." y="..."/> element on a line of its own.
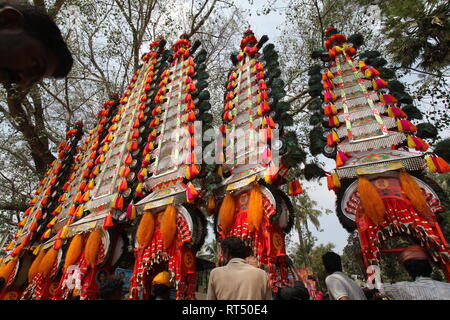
<point x="340" y="286"/>
<point x="416" y="261"/>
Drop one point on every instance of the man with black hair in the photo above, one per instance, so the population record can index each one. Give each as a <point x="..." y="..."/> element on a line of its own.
<point x="340" y="286"/>
<point x="415" y="259"/>
<point x="111" y="288"/>
<point x="237" y="280"/>
<point x="31" y="46"/>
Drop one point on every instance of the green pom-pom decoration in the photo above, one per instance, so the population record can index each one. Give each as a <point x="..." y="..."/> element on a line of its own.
<point x="315" y="119"/>
<point x="426" y="130"/>
<point x="412" y="112"/>
<point x="395" y="86"/>
<point x="317" y="68"/>
<point x="442" y="149"/>
<point x="313" y="171"/>
<point x="356" y="39"/>
<point x="370" y="54"/>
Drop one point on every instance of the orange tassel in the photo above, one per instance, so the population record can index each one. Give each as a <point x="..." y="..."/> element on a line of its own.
<point x="294" y="188"/>
<point x="255" y="208"/>
<point x="168" y="226"/>
<point x="414" y="194"/>
<point x="92" y="247"/>
<point x="145" y="230"/>
<point x="7" y="269"/>
<point x="47" y="263"/>
<point x="108" y="222"/>
<point x="211" y="206"/>
<point x="226" y="213"/>
<point x="371" y="201"/>
<point x="34" y="269"/>
<point x="74" y="251"/>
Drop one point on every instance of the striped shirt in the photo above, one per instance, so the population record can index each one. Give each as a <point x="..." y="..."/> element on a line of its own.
<point x="423" y="288"/>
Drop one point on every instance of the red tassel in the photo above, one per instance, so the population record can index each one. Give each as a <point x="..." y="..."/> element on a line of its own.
<point x="108" y="222"/>
<point x="118" y="202"/>
<point x="294" y="188"/>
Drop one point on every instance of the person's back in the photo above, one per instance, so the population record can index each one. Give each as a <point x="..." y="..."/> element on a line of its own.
<point x="415" y="259"/>
<point x="340" y="285"/>
<point x="237" y="280"/>
<point x="421" y="289"/>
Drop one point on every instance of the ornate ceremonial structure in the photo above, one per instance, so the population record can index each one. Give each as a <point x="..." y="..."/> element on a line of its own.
<point x="14" y="268"/>
<point x="253" y="207"/>
<point x="172" y="228"/>
<point x="380" y="184"/>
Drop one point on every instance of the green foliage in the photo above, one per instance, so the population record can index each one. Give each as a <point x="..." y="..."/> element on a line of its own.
<point x="418" y="32"/>
<point x="426" y="130"/>
<point x="442" y="149"/>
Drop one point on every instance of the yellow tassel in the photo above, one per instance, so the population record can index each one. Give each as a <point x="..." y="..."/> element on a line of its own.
<point x="430" y="164"/>
<point x="34" y="269"/>
<point x="411" y="143"/>
<point x="371" y="201"/>
<point x="7" y="269"/>
<point x="48" y="261"/>
<point x="168" y="226"/>
<point x="92" y="247"/>
<point x="145" y="230"/>
<point x="74" y="250"/>
<point x="47" y="233"/>
<point x="414" y="194"/>
<point x="336" y="181"/>
<point x="226" y="213"/>
<point x="255" y="208"/>
<point x="64" y="232"/>
<point x="37" y="250"/>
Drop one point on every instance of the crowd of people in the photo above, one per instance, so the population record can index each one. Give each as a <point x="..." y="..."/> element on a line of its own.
<point x="32" y="48"/>
<point x="239" y="278"/>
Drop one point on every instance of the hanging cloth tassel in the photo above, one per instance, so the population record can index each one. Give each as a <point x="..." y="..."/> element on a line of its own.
<point x="333" y="182"/>
<point x="168" y="226"/>
<point x="191" y="193"/>
<point x="47" y="263"/>
<point x="108" y="221"/>
<point x="437" y="164"/>
<point x="74" y="251"/>
<point x="226" y="213"/>
<point x="118" y="202"/>
<point x="341" y="159"/>
<point x="294" y="188"/>
<point x="131" y="212"/>
<point x="255" y="208"/>
<point x="371" y="201"/>
<point x="92" y="247"/>
<point x="211" y="205"/>
<point x="64" y="232"/>
<point x="34" y="269"/>
<point x="414" y="194"/>
<point x="145" y="230"/>
<point x="7" y="269"/>
<point x="139" y="188"/>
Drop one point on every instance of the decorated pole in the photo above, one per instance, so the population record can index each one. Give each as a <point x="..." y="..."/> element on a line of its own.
<point x="171" y="228"/>
<point x="379" y="180"/>
<point x="256" y="153"/>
